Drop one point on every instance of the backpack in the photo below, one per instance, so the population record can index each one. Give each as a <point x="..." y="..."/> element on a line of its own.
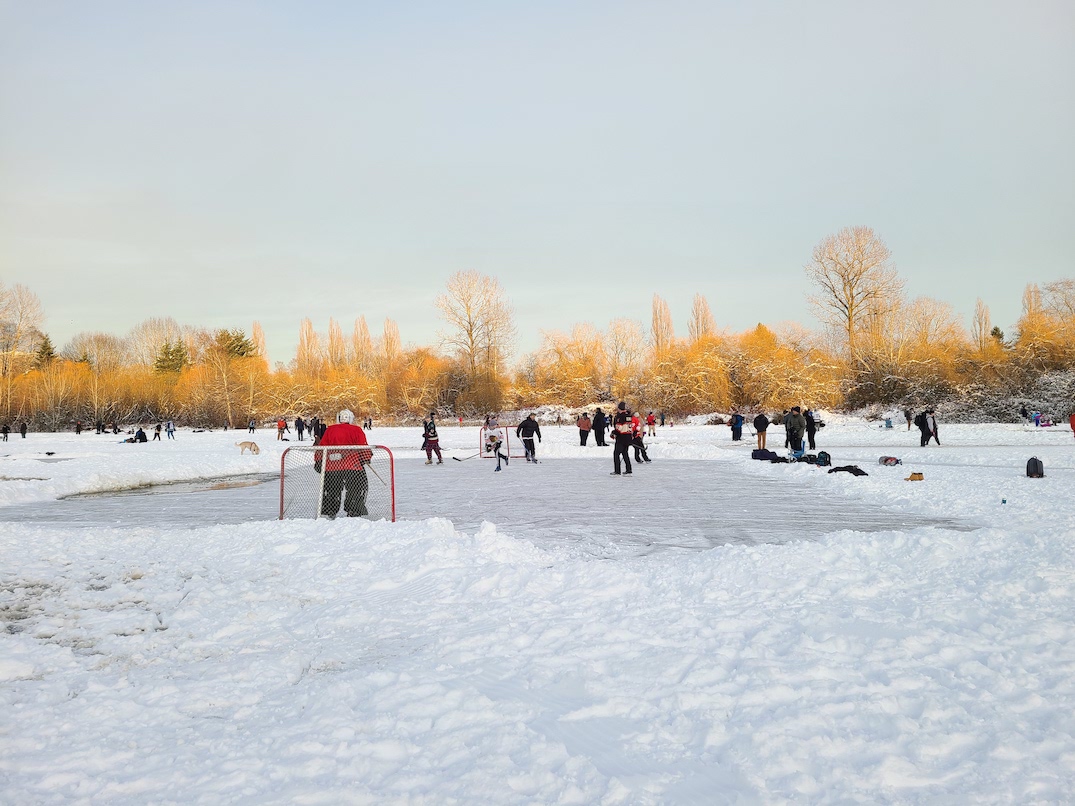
<point x="889" y="461"/>
<point x="920" y="419"/>
<point x="1034" y="468"/>
<point x="823" y="459"/>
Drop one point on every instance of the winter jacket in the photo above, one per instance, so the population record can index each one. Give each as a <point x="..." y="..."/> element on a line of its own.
<point x="430" y="432"/>
<point x="343" y="434"/>
<point x="584" y="423"/>
<point x="528" y="428"/>
<point x="600" y="422"/>
<point x="761" y="422"/>
<point x="811" y="425"/>
<point x="796" y="422"/>
<point x="621" y="426"/>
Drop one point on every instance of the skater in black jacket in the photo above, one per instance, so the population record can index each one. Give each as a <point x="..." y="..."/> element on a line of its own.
<point x="600" y="424"/>
<point x="527" y="430"/>
<point x="621" y="430"/>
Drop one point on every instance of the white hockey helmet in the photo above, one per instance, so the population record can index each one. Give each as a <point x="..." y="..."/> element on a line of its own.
<point x="345" y="416"/>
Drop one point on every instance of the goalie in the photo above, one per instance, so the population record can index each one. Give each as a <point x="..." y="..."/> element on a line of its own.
<point x="344" y="470"/>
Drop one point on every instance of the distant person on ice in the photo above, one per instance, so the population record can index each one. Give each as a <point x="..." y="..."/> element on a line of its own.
<point x="737" y="426"/>
<point x="343" y="470"/>
<point x="909" y="416"/>
<point x="927" y="425"/>
<point x="811" y="428"/>
<point x="761" y="422"/>
<point x="432" y="440"/>
<point x="585" y="426"/>
<point x="527" y="430"/>
<point x="600" y="423"/>
<point x="651" y="425"/>
<point x="636" y="440"/>
<point x="621" y="431"/>
<point x="796" y="427"/>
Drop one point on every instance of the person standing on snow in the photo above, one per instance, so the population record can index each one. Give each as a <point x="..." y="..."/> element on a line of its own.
<point x="909" y="415"/>
<point x="169" y="429"/>
<point x="796" y="427"/>
<point x="343" y="471"/>
<point x="737" y="426"/>
<point x="811" y="428"/>
<point x="432" y="441"/>
<point x="761" y="422"/>
<point x="621" y="430"/>
<point x="651" y="425"/>
<point x="931" y="427"/>
<point x="300" y="427"/>
<point x="600" y="424"/>
<point x="585" y="426"/>
<point x="527" y="430"/>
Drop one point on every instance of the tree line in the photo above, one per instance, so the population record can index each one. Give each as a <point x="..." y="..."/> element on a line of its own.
<point x="876" y="347"/>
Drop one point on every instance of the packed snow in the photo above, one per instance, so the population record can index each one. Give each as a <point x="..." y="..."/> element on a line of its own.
<point x="712" y="629"/>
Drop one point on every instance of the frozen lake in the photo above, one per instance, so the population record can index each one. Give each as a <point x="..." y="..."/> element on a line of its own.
<point x="668" y="504"/>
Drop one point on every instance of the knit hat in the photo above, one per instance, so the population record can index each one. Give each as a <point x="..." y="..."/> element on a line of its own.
<point x="622" y="406"/>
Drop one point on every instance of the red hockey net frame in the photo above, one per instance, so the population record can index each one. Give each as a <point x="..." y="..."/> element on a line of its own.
<point x="302" y="485"/>
<point x="512" y="447"/>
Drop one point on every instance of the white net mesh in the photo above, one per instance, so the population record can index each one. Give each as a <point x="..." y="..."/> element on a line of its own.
<point x="358" y="481"/>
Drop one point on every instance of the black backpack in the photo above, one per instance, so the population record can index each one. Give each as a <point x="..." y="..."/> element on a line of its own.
<point x="823" y="459"/>
<point x="1034" y="468"/>
<point x="920" y="420"/>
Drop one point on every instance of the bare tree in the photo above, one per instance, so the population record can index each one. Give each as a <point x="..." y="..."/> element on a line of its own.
<point x="479" y="318"/>
<point x="146" y="339"/>
<point x="337" y="347"/>
<point x="662" y="334"/>
<point x="20" y="318"/>
<point x="982" y="325"/>
<point x="362" y="346"/>
<point x="701" y="325"/>
<point x="308" y="357"/>
<point x="857" y="284"/>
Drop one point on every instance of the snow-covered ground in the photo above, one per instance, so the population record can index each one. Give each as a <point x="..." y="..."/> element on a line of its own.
<point x="711" y="630"/>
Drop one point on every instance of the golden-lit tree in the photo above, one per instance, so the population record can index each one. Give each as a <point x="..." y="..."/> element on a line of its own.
<point x="856" y="283"/>
<point x="480" y="333"/>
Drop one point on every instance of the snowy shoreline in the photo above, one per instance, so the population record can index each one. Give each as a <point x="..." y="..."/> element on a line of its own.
<point x="279" y="662"/>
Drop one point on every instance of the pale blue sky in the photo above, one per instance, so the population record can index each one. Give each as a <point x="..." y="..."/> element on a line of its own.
<point x="224" y="162"/>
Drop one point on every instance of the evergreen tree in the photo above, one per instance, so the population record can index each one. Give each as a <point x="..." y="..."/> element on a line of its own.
<point x="171" y="358"/>
<point x="45" y="353"/>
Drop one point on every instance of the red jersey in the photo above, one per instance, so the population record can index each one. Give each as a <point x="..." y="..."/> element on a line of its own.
<point x="344" y="434"/>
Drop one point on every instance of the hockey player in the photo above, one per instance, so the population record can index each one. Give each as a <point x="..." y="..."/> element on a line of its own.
<point x="343" y="470"/>
<point x="527" y="430"/>
<point x="621" y="429"/>
<point x="432" y="441"/>
<point x="492" y="446"/>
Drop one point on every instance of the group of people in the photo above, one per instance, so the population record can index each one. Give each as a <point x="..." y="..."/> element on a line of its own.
<point x="798" y="424"/>
<point x="600" y="424"/>
<point x="528" y="431"/>
<point x="6" y="429"/>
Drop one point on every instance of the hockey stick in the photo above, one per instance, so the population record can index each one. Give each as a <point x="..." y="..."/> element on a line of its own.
<point x="469" y="457"/>
<point x="378" y="475"/>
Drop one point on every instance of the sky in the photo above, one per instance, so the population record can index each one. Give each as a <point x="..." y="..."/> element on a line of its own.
<point x="225" y="163"/>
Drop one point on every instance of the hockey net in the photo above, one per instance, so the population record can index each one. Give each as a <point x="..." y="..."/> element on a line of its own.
<point x="511" y="446"/>
<point x="303" y="485"/>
